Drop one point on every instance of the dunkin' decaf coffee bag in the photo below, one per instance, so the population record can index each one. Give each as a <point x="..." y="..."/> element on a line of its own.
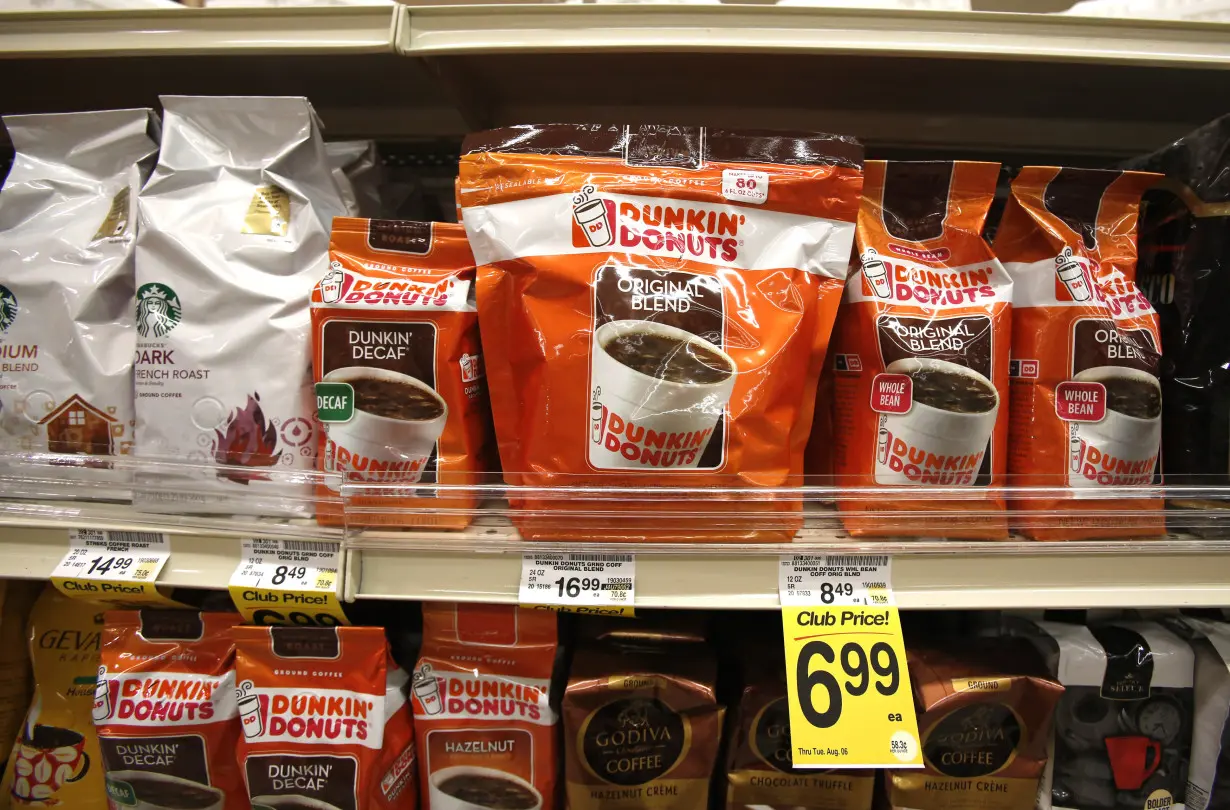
<point x="234" y="236"/>
<point x="165" y="710"/>
<point x="1086" y="407"/>
<point x="920" y="354"/>
<point x="655" y="304"/>
<point x="68" y="226"/>
<point x="395" y="338"/>
<point x="984" y="714"/>
<point x="642" y="725"/>
<point x="325" y="721"/>
<point x="484" y="716"/>
<point x="55" y="761"/>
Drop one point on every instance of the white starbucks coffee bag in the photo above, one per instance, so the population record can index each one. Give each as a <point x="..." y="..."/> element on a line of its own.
<point x="67" y="232"/>
<point x="234" y="235"/>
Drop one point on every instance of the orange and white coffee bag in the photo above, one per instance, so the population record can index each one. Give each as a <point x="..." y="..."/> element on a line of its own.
<point x="1086" y="402"/>
<point x="920" y="354"/>
<point x="325" y="719"/>
<point x="656" y="303"/>
<point x="395" y="334"/>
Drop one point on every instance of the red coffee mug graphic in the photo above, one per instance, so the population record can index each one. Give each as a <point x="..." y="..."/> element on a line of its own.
<point x="45" y="761"/>
<point x="1129" y="760"/>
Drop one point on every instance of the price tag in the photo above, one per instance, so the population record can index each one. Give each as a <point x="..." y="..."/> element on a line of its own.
<point x="288" y="582"/>
<point x="850" y="700"/>
<point x="116" y="567"/>
<point x="601" y="584"/>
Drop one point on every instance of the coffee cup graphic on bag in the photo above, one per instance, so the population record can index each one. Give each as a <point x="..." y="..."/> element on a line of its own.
<point x="427" y="690"/>
<point x="468" y="787"/>
<point x="46" y="759"/>
<point x="1133" y="759"/>
<point x="942" y="438"/>
<point x="396" y="423"/>
<point x="876" y="273"/>
<point x="656" y="395"/>
<point x="1120" y="449"/>
<point x="594" y="216"/>
<point x="104" y="705"/>
<point x="251" y="711"/>
<point x="149" y="790"/>
<point x="1071" y="271"/>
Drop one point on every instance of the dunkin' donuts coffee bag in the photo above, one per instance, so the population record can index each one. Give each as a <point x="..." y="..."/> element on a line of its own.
<point x="920" y="355"/>
<point x="67" y="229"/>
<point x="325" y="721"/>
<point x="395" y="342"/>
<point x="655" y="303"/>
<point x="1086" y="403"/>
<point x="234" y="236"/>
<point x="165" y="711"/>
<point x="484" y="716"/>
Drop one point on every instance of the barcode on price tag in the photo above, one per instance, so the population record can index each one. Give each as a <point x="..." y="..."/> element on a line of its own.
<point x="835" y="579"/>
<point x="582" y="583"/>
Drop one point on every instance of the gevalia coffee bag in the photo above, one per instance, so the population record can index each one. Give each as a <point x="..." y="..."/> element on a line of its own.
<point x="164" y="707"/>
<point x="234" y="235"/>
<point x="1086" y="403"/>
<point x="920" y="353"/>
<point x="655" y="303"/>
<point x="394" y="319"/>
<point x="68" y="227"/>
<point x="484" y="716"/>
<point x="325" y="719"/>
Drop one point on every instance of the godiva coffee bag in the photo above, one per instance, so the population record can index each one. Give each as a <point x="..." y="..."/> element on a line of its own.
<point x="920" y="353"/>
<point x="1086" y="401"/>
<point x="655" y="303"/>
<point x="395" y="332"/>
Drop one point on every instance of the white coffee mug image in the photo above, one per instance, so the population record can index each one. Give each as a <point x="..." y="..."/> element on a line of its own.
<point x="439" y="800"/>
<point x="595" y="220"/>
<point x="1120" y="450"/>
<point x="163" y="792"/>
<point x="643" y="422"/>
<point x="382" y="449"/>
<point x="292" y="801"/>
<point x="909" y="445"/>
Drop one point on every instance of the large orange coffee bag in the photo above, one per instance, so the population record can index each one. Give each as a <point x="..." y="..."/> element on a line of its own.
<point x="920" y="354"/>
<point x="655" y="303"/>
<point x="1086" y="402"/>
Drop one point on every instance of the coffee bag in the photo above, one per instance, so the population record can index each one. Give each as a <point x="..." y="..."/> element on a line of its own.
<point x="920" y="354"/>
<point x="1208" y="780"/>
<point x="55" y="760"/>
<point x="356" y="169"/>
<point x="395" y="329"/>
<point x="67" y="229"/>
<point x="984" y="715"/>
<point x="234" y="235"/>
<point x="484" y="717"/>
<point x="656" y="303"/>
<point x="165" y="710"/>
<point x="324" y="717"/>
<point x="17" y="598"/>
<point x="1086" y="402"/>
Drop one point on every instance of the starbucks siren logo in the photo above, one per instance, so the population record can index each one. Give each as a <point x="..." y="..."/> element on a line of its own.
<point x="8" y="308"/>
<point x="158" y="310"/>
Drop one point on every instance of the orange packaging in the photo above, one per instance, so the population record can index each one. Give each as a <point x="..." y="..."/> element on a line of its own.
<point x="1086" y="401"/>
<point x="656" y="303"/>
<point x="395" y="328"/>
<point x="920" y="354"/>
<point x="164" y="707"/>
<point x="487" y="727"/>
<point x="325" y="719"/>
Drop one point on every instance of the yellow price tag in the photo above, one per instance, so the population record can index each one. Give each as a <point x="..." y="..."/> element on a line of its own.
<point x="288" y="582"/>
<point x="588" y="610"/>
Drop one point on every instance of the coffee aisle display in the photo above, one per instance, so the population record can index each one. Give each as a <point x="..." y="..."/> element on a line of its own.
<point x="325" y="721"/>
<point x="920" y="353"/>
<point x="642" y="725"/>
<point x="55" y="760"/>
<point x="395" y="320"/>
<point x="984" y="713"/>
<point x="655" y="304"/>
<point x="234" y="235"/>
<point x="165" y="710"/>
<point x="1086" y="403"/>
<point x="17" y="598"/>
<point x="67" y="229"/>
<point x="356" y="169"/>
<point x="1208" y="780"/>
<point x="484" y="718"/>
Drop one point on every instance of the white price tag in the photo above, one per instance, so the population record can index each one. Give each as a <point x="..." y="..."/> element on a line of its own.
<point x="806" y="580"/>
<point x="741" y="185"/>
<point x="114" y="556"/>
<point x="291" y="565"/>
<point x="579" y="580"/>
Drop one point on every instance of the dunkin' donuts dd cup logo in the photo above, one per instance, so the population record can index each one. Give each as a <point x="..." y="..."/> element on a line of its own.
<point x="593" y="220"/>
<point x="104" y="699"/>
<point x="334" y="284"/>
<point x="252" y="711"/>
<point x="1073" y="277"/>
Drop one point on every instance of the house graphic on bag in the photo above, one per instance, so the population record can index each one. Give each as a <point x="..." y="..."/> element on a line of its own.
<point x="78" y="427"/>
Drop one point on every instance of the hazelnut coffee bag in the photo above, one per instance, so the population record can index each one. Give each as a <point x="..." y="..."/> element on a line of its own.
<point x="655" y="303"/>
<point x="1086" y="352"/>
<point x="165" y="710"/>
<point x="395" y="336"/>
<point x="325" y="720"/>
<point x="920" y="354"/>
